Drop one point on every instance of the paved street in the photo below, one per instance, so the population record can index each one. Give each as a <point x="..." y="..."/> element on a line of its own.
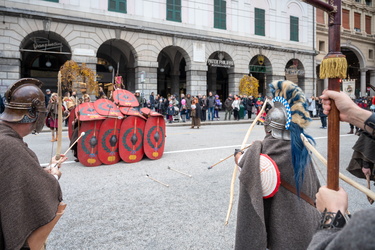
<point x="119" y="207"/>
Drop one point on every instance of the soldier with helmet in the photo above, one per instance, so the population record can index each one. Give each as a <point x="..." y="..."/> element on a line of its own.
<point x="29" y="195"/>
<point x="285" y="217"/>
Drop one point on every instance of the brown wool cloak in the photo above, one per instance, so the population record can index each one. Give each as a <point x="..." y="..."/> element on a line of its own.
<point x="29" y="197"/>
<point x="283" y="221"/>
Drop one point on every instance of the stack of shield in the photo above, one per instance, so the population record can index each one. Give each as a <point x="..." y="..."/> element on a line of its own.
<point x="117" y="131"/>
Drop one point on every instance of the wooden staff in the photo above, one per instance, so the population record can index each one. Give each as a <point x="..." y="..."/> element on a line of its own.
<point x="333" y="67"/>
<point x="234" y="175"/>
<point x="358" y="186"/>
<point x="60" y="119"/>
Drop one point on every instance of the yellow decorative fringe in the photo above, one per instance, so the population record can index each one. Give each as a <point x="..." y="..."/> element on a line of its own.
<point x="333" y="67"/>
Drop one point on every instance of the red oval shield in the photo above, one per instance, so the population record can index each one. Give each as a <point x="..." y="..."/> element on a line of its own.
<point x="87" y="146"/>
<point x="109" y="140"/>
<point x="107" y="108"/>
<point x="154" y="137"/>
<point x="86" y="112"/>
<point x="125" y="98"/>
<point x="131" y="139"/>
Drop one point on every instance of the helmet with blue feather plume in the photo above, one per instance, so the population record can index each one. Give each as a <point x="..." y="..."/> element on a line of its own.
<point x="300" y="119"/>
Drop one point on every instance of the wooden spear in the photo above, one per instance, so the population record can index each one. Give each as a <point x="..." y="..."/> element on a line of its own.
<point x="328" y="70"/>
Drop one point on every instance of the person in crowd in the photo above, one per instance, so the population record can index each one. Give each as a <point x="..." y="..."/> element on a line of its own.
<point x="160" y="107"/>
<point x="312" y="106"/>
<point x="170" y="112"/>
<point x="47" y="96"/>
<point x="196" y="113"/>
<point x="236" y="107"/>
<point x="183" y="110"/>
<point x="139" y="98"/>
<point x="282" y="217"/>
<point x="335" y="230"/>
<point x="218" y="106"/>
<point x="228" y="107"/>
<point x="243" y="103"/>
<point x="211" y="106"/>
<point x="30" y="195"/>
<point x="101" y="94"/>
<point x="204" y="106"/>
<point x="86" y="98"/>
<point x="323" y="117"/>
<point x="52" y="115"/>
<point x="249" y="106"/>
<point x="188" y="106"/>
<point x="152" y="101"/>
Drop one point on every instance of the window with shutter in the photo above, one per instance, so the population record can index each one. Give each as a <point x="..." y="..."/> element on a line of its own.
<point x="357" y="22"/>
<point x="345" y="19"/>
<point x="260" y="22"/>
<point x="174" y="10"/>
<point x="55" y="1"/>
<point x="220" y="14"/>
<point x="117" y="6"/>
<point x="294" y="29"/>
<point x="319" y="16"/>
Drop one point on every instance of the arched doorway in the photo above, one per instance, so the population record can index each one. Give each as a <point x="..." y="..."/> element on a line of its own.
<point x="295" y="72"/>
<point x="43" y="53"/>
<point x="116" y="58"/>
<point x="219" y="64"/>
<point x="260" y="67"/>
<point x="354" y="69"/>
<point x="171" y="75"/>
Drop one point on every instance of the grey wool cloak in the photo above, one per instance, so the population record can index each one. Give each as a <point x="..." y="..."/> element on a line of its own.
<point x="283" y="221"/>
<point x="29" y="196"/>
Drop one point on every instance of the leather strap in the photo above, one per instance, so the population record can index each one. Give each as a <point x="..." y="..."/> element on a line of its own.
<point x="293" y="190"/>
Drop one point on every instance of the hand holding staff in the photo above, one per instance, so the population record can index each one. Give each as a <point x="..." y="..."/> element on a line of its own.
<point x="63" y="158"/>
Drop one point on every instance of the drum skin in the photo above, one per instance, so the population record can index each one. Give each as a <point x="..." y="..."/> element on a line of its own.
<point x="131" y="139"/>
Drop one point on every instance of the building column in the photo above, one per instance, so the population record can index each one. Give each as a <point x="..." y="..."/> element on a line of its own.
<point x="196" y="82"/>
<point x="146" y="78"/>
<point x="10" y="71"/>
<point x="363" y="82"/>
<point x="234" y="79"/>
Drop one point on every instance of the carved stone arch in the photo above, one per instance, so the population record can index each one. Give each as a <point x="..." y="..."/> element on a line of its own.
<point x="260" y="67"/>
<point x="42" y="55"/>
<point x="116" y="57"/>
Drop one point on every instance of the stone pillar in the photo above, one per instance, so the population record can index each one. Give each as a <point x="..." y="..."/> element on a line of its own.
<point x="363" y="82"/>
<point x="10" y="70"/>
<point x="196" y="82"/>
<point x="149" y="83"/>
<point x="372" y="82"/>
<point x="234" y="83"/>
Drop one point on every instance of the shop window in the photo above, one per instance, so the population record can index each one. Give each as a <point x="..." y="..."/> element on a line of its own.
<point x="368" y="24"/>
<point x="260" y="22"/>
<point x="294" y="32"/>
<point x="117" y="6"/>
<point x="357" y="22"/>
<point x="346" y="19"/>
<point x="370" y="54"/>
<point x="220" y="14"/>
<point x="174" y="10"/>
<point x="322" y="46"/>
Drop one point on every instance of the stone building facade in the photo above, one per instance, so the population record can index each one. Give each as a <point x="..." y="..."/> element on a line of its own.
<point x="161" y="46"/>
<point x="357" y="44"/>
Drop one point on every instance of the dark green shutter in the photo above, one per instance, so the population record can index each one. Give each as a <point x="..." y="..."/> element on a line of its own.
<point x="174" y="10"/>
<point x="260" y="22"/>
<point x="220" y="14"/>
<point x="294" y="32"/>
<point x="117" y="6"/>
<point x="55" y="1"/>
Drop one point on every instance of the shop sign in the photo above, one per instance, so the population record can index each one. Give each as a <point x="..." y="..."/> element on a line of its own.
<point x="293" y="71"/>
<point x="220" y="63"/>
<point x="259" y="69"/>
<point x="44" y="44"/>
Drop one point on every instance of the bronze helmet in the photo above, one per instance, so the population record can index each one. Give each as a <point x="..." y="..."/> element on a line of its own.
<point x="24" y="103"/>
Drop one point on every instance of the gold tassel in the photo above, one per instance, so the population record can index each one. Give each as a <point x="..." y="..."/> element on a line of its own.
<point x="333" y="66"/>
